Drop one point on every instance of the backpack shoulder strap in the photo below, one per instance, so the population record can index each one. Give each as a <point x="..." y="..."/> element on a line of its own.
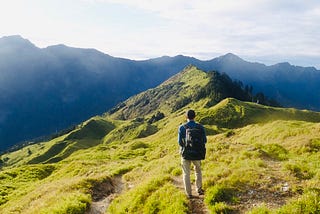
<point x="186" y="126"/>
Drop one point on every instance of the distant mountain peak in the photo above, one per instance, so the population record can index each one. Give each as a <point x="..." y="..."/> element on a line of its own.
<point x="284" y="64"/>
<point x="230" y="57"/>
<point x="58" y="46"/>
<point x="15" y="42"/>
<point x="12" y="38"/>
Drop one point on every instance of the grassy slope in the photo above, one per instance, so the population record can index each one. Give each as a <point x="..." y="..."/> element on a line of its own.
<point x="253" y="152"/>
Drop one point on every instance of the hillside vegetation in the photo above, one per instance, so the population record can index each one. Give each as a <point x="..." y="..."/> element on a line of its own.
<point x="259" y="159"/>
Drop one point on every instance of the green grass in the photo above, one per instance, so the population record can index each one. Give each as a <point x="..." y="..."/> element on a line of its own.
<point x="263" y="157"/>
<point x="155" y="196"/>
<point x="231" y="113"/>
<point x="309" y="202"/>
<point x="251" y="149"/>
<point x="260" y="156"/>
<point x="95" y="128"/>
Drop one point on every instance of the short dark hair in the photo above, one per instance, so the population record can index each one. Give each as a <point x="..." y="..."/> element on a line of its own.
<point x="190" y="114"/>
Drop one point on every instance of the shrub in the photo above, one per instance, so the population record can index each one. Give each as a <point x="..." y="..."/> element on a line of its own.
<point x="146" y="130"/>
<point x="299" y="170"/>
<point x="274" y="151"/>
<point x="217" y="194"/>
<point x="229" y="133"/>
<point x="124" y="170"/>
<point x="138" y="145"/>
<point x="307" y="203"/>
<point x="221" y="146"/>
<point x="181" y="102"/>
<point x="312" y="146"/>
<point x="260" y="210"/>
<point x="156" y="117"/>
<point x="166" y="200"/>
<point x="71" y="203"/>
<point x="176" y="172"/>
<point x="133" y="201"/>
<point x="220" y="208"/>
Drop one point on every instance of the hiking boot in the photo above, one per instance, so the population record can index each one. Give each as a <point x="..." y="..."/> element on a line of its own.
<point x="200" y="192"/>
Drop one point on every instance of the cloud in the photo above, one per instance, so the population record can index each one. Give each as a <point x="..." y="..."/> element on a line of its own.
<point x="241" y="26"/>
<point x="137" y="28"/>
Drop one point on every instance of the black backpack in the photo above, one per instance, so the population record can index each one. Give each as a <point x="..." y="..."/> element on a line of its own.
<point x="194" y="146"/>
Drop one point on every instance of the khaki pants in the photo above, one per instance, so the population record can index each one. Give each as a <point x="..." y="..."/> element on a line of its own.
<point x="186" y="175"/>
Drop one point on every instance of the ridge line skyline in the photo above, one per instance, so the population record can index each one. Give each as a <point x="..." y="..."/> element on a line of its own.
<point x="17" y="36"/>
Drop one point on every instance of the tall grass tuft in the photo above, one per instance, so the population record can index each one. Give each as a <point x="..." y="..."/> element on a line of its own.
<point x="308" y="203"/>
<point x="217" y="196"/>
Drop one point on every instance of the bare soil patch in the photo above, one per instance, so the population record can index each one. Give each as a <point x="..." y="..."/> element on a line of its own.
<point x="103" y="194"/>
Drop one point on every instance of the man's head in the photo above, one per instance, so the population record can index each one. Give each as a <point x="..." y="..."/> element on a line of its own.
<point x="190" y="114"/>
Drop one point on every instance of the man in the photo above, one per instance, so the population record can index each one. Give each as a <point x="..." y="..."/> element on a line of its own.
<point x="192" y="139"/>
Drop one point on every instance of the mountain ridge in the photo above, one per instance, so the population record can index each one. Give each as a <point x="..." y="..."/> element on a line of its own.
<point x="81" y="83"/>
<point x="225" y="113"/>
<point x="252" y="150"/>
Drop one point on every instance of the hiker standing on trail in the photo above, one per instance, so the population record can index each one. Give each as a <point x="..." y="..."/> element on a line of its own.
<point x="192" y="140"/>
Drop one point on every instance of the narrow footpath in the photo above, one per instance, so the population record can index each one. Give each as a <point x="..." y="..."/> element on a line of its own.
<point x="196" y="204"/>
<point x="104" y="194"/>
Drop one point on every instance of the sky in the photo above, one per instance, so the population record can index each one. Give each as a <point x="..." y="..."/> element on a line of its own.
<point x="266" y="31"/>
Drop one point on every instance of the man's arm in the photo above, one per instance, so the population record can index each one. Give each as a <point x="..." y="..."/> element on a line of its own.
<point x="181" y="135"/>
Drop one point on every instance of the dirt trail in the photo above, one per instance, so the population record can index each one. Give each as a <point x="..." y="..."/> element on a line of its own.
<point x="263" y="194"/>
<point x="103" y="194"/>
<point x="266" y="194"/>
<point x="197" y="205"/>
